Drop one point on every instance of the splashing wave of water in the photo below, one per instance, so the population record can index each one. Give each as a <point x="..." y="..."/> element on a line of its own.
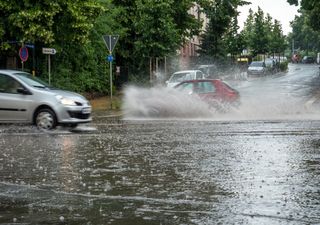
<point x="163" y="102"/>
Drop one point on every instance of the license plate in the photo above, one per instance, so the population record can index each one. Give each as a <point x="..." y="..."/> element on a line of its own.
<point x="86" y="110"/>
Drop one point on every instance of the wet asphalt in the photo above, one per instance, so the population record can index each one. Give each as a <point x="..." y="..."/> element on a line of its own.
<point x="257" y="165"/>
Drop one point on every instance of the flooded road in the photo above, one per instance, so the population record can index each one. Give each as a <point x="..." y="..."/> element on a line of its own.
<point x="261" y="169"/>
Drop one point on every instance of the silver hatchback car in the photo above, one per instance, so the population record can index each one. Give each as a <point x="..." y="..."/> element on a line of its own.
<point x="26" y="99"/>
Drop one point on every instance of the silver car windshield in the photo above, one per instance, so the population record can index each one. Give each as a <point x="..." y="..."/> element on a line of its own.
<point x="256" y="64"/>
<point x="32" y="81"/>
<point x="178" y="77"/>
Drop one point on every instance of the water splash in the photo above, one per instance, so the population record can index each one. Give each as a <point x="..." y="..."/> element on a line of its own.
<point x="162" y="102"/>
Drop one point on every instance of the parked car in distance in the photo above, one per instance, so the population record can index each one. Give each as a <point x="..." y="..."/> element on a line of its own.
<point x="308" y="59"/>
<point x="183" y="75"/>
<point x="213" y="91"/>
<point x="257" y="68"/>
<point x="27" y="99"/>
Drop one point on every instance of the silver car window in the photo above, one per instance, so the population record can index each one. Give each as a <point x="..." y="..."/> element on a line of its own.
<point x="185" y="87"/>
<point x="199" y="75"/>
<point x="9" y="84"/>
<point x="32" y="81"/>
<point x="205" y="87"/>
<point x="179" y="77"/>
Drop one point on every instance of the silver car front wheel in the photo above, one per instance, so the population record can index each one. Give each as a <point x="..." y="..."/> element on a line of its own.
<point x="45" y="119"/>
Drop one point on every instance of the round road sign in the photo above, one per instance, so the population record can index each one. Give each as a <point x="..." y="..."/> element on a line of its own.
<point x="109" y="58"/>
<point x="23" y="53"/>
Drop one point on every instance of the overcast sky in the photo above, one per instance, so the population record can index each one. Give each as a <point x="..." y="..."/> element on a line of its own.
<point x="278" y="9"/>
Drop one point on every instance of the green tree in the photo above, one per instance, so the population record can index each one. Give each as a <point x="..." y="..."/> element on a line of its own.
<point x="220" y="14"/>
<point x="259" y="41"/>
<point x="155" y="28"/>
<point x="234" y="41"/>
<point x="47" y="21"/>
<point x="262" y="34"/>
<point x="247" y="33"/>
<point x="312" y="8"/>
<point x="303" y="37"/>
<point x="277" y="43"/>
<point x="83" y="66"/>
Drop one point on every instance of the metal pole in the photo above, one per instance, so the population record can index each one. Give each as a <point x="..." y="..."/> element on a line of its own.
<point x="49" y="69"/>
<point x="110" y="63"/>
<point x="22" y="60"/>
<point x="292" y="46"/>
<point x="33" y="61"/>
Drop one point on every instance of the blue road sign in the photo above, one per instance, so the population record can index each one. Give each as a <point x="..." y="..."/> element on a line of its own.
<point x="109" y="58"/>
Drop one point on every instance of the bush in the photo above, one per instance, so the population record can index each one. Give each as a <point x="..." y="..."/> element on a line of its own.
<point x="284" y="66"/>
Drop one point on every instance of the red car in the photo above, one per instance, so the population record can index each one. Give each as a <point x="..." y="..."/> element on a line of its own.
<point x="212" y="91"/>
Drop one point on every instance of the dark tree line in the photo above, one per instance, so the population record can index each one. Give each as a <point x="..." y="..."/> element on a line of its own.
<point x="147" y="30"/>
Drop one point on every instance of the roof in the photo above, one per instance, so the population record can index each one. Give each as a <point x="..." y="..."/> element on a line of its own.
<point x="187" y="71"/>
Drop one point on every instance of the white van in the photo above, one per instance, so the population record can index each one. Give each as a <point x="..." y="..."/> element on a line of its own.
<point x="183" y="75"/>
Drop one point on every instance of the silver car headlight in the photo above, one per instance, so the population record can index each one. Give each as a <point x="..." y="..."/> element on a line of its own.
<point x="65" y="101"/>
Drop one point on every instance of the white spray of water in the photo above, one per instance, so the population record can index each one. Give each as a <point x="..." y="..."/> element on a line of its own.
<point x="162" y="102"/>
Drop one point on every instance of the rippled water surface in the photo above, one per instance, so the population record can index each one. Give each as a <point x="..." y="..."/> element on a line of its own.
<point x="163" y="172"/>
<point x="257" y="164"/>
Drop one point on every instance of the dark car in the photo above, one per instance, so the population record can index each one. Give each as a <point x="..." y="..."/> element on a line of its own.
<point x="308" y="59"/>
<point x="215" y="92"/>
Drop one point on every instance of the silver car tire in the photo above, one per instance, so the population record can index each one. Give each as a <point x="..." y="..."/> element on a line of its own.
<point x="45" y="119"/>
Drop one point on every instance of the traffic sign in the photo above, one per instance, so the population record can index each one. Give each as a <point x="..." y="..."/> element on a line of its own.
<point x="109" y="58"/>
<point x="110" y="41"/>
<point x="24" y="54"/>
<point x="49" y="51"/>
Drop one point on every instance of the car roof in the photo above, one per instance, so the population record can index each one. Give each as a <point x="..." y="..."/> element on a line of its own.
<point x="11" y="72"/>
<point x="187" y="71"/>
<point x="206" y="66"/>
<point x="200" y="80"/>
<point x="253" y="62"/>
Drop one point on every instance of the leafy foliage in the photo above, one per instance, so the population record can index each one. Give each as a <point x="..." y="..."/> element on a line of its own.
<point x="220" y="14"/>
<point x="303" y="37"/>
<point x="47" y="21"/>
<point x="312" y="8"/>
<point x="147" y="29"/>
<point x="155" y="28"/>
<point x="262" y="34"/>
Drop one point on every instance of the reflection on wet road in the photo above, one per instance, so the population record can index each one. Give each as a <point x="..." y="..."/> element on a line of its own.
<point x="163" y="172"/>
<point x="256" y="165"/>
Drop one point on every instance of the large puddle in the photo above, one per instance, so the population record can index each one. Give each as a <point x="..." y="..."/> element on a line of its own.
<point x="164" y="172"/>
<point x="171" y="161"/>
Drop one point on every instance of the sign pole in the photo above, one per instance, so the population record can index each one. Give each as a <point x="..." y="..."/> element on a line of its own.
<point x="110" y="41"/>
<point x="22" y="62"/>
<point x="49" y="51"/>
<point x="110" y="65"/>
<point x="49" y="69"/>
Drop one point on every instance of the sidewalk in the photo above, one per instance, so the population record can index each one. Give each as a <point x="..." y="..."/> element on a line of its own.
<point x="101" y="108"/>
